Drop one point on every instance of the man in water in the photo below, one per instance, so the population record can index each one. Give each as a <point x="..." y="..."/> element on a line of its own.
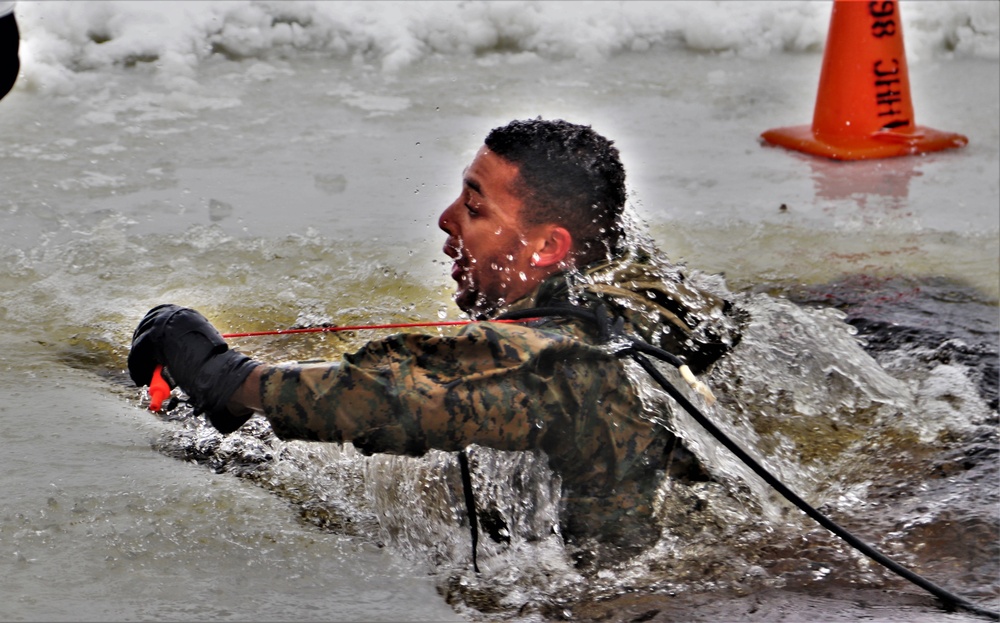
<point x="538" y="223"/>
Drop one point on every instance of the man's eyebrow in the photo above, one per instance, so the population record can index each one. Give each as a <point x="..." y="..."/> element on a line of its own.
<point x="474" y="185"/>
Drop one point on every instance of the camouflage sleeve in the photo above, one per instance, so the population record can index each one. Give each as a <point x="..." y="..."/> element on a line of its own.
<point x="497" y="385"/>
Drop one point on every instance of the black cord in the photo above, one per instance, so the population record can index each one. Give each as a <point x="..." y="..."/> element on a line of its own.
<point x="951" y="601"/>
<point x="470" y="504"/>
<point x="638" y="348"/>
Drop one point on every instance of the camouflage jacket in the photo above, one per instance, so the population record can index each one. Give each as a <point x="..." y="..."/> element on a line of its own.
<point x="546" y="385"/>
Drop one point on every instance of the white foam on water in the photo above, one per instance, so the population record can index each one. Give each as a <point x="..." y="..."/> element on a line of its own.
<point x="65" y="42"/>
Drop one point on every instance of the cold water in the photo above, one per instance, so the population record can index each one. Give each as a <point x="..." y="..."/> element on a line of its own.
<point x="284" y="164"/>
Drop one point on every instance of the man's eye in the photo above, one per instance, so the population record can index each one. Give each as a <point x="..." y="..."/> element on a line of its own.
<point x="473" y="210"/>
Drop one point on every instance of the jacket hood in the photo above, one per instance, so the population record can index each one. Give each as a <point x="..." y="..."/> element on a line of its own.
<point x="657" y="302"/>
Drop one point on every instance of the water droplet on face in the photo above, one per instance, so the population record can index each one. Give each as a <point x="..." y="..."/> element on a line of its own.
<point x="522" y="276"/>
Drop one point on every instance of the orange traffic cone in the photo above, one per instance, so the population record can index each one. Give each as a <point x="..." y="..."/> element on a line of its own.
<point x="863" y="107"/>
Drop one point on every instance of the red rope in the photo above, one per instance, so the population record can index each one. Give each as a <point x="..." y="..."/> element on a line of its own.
<point x="401" y="325"/>
<point x="159" y="390"/>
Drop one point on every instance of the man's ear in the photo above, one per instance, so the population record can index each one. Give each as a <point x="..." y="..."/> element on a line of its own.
<point x="555" y="247"/>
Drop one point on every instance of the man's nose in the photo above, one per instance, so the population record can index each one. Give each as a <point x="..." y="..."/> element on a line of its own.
<point x="445" y="221"/>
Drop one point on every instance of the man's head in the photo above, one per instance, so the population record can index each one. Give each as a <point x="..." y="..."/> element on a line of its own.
<point x="540" y="197"/>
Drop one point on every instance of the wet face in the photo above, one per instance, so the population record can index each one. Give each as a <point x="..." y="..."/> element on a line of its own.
<point x="493" y="249"/>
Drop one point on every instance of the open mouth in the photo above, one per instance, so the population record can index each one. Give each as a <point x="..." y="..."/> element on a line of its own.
<point x="459" y="266"/>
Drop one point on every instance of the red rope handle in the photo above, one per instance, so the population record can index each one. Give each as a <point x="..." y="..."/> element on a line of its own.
<point x="362" y="327"/>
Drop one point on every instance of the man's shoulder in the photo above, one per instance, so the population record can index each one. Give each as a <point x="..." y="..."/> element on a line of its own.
<point x="533" y="336"/>
<point x="542" y="330"/>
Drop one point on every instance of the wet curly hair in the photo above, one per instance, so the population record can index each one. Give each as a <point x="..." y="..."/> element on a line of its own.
<point x="569" y="175"/>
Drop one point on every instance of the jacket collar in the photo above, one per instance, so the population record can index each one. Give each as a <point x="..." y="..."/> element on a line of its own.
<point x="658" y="304"/>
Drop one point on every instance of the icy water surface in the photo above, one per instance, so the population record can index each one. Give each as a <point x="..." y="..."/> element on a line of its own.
<point x="290" y="186"/>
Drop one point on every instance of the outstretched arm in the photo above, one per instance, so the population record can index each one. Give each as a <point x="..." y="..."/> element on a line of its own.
<point x="502" y="386"/>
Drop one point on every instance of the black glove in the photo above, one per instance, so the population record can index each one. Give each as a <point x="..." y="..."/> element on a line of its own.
<point x="197" y="358"/>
